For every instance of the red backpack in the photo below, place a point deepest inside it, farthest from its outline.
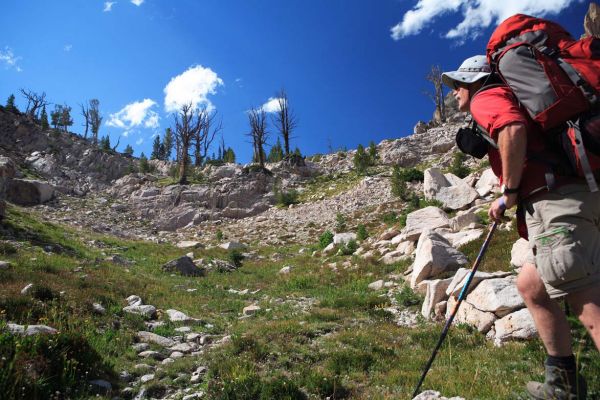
(557, 79)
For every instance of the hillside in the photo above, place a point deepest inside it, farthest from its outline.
(321, 278)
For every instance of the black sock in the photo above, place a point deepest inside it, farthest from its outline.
(567, 363)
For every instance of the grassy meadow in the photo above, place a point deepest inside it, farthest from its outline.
(320, 333)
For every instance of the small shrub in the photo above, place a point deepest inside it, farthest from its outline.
(7, 249)
(407, 297)
(349, 248)
(361, 232)
(325, 239)
(361, 160)
(281, 387)
(235, 257)
(458, 167)
(390, 218)
(340, 222)
(286, 198)
(399, 187)
(43, 293)
(411, 175)
(219, 235)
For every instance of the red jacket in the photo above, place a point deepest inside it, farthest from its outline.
(495, 108)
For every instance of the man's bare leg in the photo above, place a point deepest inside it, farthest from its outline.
(586, 304)
(549, 318)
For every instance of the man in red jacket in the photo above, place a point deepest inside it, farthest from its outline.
(558, 214)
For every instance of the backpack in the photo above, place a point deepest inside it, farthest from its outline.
(557, 80)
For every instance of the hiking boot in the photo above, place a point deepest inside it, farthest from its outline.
(560, 384)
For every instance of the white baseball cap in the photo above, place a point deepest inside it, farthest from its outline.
(471, 70)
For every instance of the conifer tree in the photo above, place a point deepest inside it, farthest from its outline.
(156, 149)
(65, 118)
(10, 103)
(44, 119)
(361, 160)
(105, 143)
(276, 153)
(144, 165)
(373, 156)
(128, 150)
(229, 156)
(168, 142)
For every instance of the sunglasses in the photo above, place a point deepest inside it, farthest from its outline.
(457, 84)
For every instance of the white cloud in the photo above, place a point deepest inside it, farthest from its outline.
(477, 15)
(133, 115)
(139, 141)
(272, 105)
(67, 47)
(192, 86)
(8, 58)
(137, 2)
(108, 5)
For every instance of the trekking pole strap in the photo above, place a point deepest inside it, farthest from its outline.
(585, 162)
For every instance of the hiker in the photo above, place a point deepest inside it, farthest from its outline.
(558, 213)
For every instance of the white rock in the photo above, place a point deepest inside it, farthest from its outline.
(377, 285)
(147, 311)
(461, 238)
(457, 197)
(146, 378)
(27, 288)
(468, 314)
(251, 310)
(393, 257)
(486, 183)
(462, 221)
(29, 330)
(330, 249)
(499, 296)
(176, 354)
(134, 300)
(434, 395)
(520, 252)
(516, 326)
(460, 278)
(178, 316)
(233, 246)
(285, 270)
(4, 265)
(184, 348)
(149, 337)
(189, 244)
(423, 219)
(389, 234)
(98, 309)
(344, 238)
(433, 181)
(436, 292)
(434, 256)
(406, 248)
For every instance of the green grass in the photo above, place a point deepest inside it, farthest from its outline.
(320, 333)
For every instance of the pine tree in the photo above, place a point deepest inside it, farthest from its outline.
(44, 119)
(399, 187)
(156, 149)
(168, 145)
(144, 165)
(373, 156)
(105, 143)
(65, 118)
(361, 160)
(229, 156)
(55, 116)
(297, 152)
(128, 150)
(276, 153)
(10, 103)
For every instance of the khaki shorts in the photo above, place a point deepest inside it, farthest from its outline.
(564, 234)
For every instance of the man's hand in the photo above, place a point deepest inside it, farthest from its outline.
(500, 205)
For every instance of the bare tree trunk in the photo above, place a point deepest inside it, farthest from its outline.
(188, 123)
(437, 96)
(258, 132)
(284, 120)
(35, 102)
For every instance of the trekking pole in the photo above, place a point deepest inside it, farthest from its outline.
(461, 296)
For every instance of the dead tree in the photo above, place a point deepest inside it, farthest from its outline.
(284, 119)
(85, 112)
(437, 96)
(35, 102)
(188, 123)
(206, 135)
(95, 119)
(258, 132)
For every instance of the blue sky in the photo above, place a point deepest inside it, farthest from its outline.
(353, 69)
